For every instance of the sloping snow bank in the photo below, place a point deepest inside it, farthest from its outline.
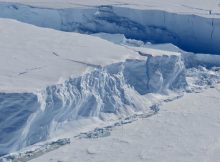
(111, 92)
(189, 32)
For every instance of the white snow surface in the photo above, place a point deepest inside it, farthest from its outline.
(32, 58)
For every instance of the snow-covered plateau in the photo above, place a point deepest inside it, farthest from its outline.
(144, 75)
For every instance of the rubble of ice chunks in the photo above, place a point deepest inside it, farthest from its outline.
(201, 78)
(97, 133)
(60, 142)
(174, 98)
(36, 151)
(155, 107)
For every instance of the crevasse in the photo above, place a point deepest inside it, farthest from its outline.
(189, 32)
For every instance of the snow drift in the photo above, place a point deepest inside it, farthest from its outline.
(190, 32)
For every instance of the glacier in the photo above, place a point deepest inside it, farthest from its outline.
(93, 83)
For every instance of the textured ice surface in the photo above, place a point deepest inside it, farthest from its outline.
(115, 89)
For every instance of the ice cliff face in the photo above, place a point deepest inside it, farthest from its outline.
(16, 109)
(167, 72)
(147, 25)
(117, 89)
